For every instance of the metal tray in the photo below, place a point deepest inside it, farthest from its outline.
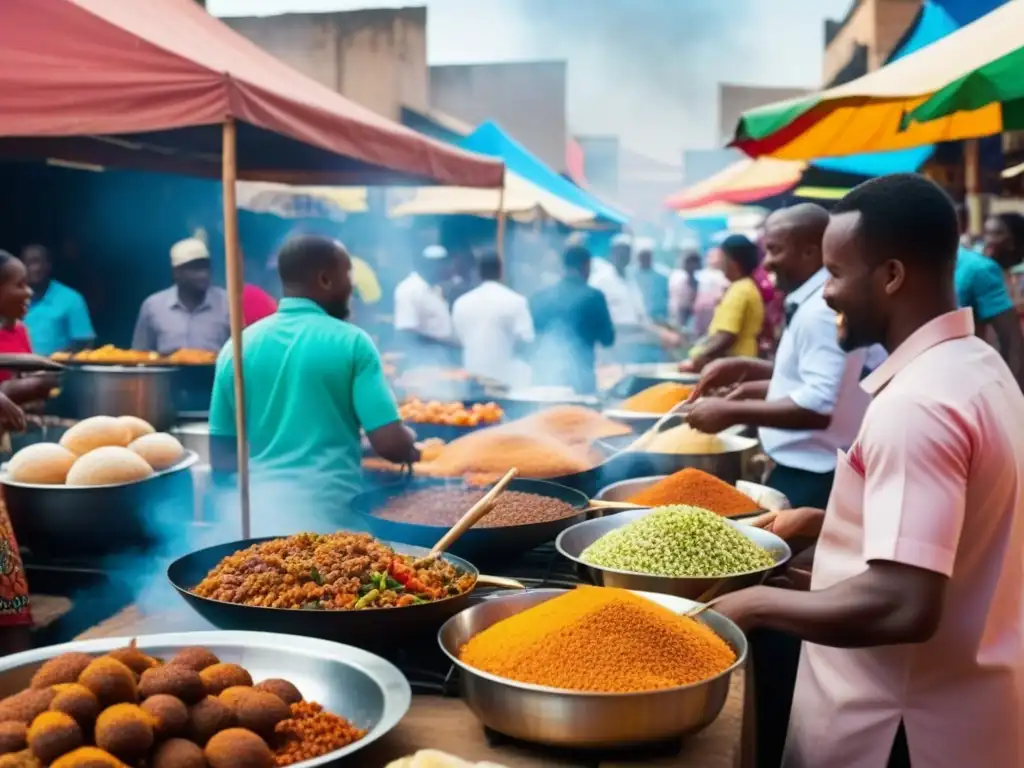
(585, 720)
(357, 685)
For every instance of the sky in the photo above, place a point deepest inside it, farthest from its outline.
(645, 70)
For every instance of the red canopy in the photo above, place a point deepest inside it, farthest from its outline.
(148, 83)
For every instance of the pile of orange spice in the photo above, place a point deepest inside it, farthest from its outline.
(599, 639)
(693, 488)
(311, 732)
(661, 398)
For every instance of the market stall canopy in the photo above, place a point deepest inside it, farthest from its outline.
(296, 202)
(523, 201)
(490, 139)
(149, 84)
(744, 181)
(870, 114)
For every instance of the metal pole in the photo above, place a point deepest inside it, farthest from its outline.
(501, 222)
(972, 184)
(233, 259)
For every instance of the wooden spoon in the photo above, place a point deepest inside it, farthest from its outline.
(706, 600)
(621, 506)
(679, 408)
(474, 515)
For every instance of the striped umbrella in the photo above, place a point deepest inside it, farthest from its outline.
(948, 91)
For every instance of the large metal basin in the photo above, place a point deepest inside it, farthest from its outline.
(767, 498)
(146, 391)
(70, 521)
(572, 541)
(361, 687)
(585, 720)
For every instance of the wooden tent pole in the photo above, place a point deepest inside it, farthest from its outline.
(233, 259)
(501, 223)
(972, 185)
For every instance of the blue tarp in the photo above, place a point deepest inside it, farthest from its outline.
(490, 139)
(935, 20)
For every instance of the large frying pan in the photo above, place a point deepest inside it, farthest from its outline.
(371, 628)
(482, 545)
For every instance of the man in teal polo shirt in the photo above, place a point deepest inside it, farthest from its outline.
(58, 318)
(313, 381)
(980, 286)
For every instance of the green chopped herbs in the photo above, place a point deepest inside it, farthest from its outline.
(678, 541)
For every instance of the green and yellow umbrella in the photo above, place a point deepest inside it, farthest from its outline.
(964, 86)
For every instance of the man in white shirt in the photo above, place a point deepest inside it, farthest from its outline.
(423, 322)
(625, 301)
(493, 323)
(807, 406)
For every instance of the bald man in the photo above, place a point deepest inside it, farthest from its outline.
(807, 406)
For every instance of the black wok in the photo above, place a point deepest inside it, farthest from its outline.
(483, 545)
(371, 628)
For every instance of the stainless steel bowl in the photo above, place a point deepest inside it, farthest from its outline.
(96, 520)
(572, 541)
(357, 685)
(146, 391)
(195, 436)
(767, 498)
(739, 461)
(585, 720)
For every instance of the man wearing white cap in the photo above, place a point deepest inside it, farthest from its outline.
(423, 321)
(191, 314)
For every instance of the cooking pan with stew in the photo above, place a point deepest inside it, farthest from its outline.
(483, 543)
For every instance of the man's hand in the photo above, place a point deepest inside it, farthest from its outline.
(31, 388)
(688, 366)
(749, 390)
(724, 372)
(712, 415)
(791, 578)
(791, 524)
(740, 606)
(12, 418)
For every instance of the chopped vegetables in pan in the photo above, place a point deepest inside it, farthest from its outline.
(330, 572)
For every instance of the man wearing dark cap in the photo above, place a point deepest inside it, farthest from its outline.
(738, 319)
(314, 382)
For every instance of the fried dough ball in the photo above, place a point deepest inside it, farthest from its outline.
(23, 759)
(260, 711)
(79, 702)
(169, 713)
(238, 748)
(53, 734)
(196, 658)
(134, 659)
(207, 718)
(61, 669)
(231, 696)
(125, 731)
(25, 706)
(175, 680)
(220, 677)
(178, 753)
(283, 689)
(88, 757)
(13, 736)
(110, 681)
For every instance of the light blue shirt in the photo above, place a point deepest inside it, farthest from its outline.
(980, 285)
(311, 383)
(58, 319)
(812, 371)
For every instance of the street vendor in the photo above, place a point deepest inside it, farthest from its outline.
(423, 320)
(314, 382)
(192, 313)
(739, 316)
(913, 653)
(807, 406)
(58, 318)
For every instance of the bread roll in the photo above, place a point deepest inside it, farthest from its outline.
(107, 466)
(96, 432)
(41, 464)
(160, 450)
(138, 427)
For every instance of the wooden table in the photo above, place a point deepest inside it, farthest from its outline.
(436, 722)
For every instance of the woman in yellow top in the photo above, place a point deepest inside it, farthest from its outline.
(738, 318)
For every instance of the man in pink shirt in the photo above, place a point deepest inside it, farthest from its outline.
(913, 624)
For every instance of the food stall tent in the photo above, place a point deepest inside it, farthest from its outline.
(162, 85)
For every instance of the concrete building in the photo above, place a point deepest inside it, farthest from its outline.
(376, 57)
(863, 40)
(527, 99)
